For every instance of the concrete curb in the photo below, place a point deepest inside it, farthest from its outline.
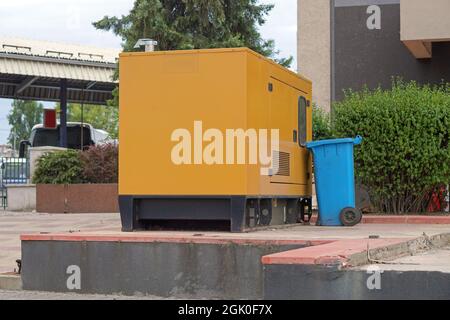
(395, 251)
(356, 252)
(390, 219)
(174, 238)
(342, 253)
(10, 282)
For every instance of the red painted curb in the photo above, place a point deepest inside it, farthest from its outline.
(151, 238)
(337, 252)
(390, 219)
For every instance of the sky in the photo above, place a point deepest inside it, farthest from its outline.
(70, 21)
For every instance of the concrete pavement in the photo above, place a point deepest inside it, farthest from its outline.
(106, 227)
(13, 224)
(437, 260)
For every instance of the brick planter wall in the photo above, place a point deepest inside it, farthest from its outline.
(77, 198)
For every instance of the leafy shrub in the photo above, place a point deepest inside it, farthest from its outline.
(61, 167)
(321, 124)
(405, 154)
(100, 164)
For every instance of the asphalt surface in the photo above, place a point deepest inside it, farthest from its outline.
(34, 295)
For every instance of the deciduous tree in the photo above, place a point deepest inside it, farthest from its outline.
(22, 117)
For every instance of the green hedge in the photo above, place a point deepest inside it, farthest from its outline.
(321, 124)
(405, 154)
(61, 167)
(98, 164)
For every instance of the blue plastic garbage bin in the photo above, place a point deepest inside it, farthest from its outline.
(335, 181)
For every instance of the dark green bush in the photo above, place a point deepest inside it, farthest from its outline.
(321, 124)
(405, 154)
(100, 164)
(61, 167)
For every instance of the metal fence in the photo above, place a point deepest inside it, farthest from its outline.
(13, 170)
(4, 197)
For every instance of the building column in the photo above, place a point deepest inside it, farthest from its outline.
(315, 47)
(63, 114)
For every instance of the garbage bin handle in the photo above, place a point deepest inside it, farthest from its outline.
(357, 140)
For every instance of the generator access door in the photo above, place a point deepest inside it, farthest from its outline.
(288, 114)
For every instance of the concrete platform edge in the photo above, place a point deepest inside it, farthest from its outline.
(10, 282)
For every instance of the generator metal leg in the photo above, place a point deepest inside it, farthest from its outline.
(238, 210)
(128, 215)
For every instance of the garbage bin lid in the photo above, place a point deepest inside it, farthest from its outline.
(314, 144)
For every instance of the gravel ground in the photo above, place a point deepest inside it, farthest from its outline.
(35, 295)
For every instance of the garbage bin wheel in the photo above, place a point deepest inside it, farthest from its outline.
(350, 217)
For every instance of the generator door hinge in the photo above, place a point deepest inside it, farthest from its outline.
(270, 87)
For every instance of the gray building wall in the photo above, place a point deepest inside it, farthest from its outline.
(374, 57)
(337, 51)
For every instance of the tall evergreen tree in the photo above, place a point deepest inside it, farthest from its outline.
(195, 24)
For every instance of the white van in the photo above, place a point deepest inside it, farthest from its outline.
(77, 138)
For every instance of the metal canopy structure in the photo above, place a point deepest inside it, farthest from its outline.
(49, 71)
(32, 70)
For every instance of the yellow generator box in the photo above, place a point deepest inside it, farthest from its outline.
(212, 136)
